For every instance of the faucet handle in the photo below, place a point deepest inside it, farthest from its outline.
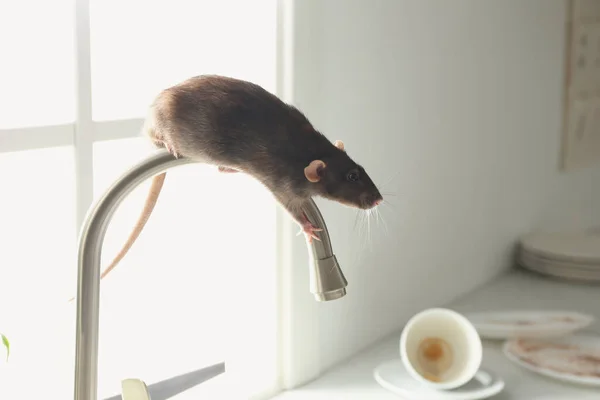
(134, 389)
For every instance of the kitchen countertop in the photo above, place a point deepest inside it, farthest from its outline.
(353, 379)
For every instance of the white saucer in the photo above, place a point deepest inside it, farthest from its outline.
(393, 376)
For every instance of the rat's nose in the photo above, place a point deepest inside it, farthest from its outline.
(370, 200)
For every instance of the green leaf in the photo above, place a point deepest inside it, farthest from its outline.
(6, 344)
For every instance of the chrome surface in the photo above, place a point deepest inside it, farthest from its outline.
(327, 282)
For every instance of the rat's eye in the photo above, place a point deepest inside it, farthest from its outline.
(352, 176)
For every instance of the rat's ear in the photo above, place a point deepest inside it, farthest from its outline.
(339, 144)
(314, 170)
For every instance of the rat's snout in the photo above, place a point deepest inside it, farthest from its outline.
(371, 200)
(377, 200)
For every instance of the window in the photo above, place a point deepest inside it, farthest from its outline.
(198, 287)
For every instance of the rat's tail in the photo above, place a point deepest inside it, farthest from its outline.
(151, 199)
(155, 188)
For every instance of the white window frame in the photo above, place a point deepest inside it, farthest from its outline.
(298, 325)
(84, 131)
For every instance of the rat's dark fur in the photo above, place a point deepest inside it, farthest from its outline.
(239, 125)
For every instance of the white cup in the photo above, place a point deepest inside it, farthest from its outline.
(440, 348)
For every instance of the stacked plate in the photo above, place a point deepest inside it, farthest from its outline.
(573, 256)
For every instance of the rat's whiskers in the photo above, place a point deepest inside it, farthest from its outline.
(387, 182)
(387, 203)
(370, 237)
(356, 219)
(380, 217)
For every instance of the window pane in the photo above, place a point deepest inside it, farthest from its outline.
(201, 272)
(37, 68)
(140, 47)
(38, 270)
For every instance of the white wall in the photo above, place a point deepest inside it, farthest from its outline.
(461, 102)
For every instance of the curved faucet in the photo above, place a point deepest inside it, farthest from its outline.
(327, 282)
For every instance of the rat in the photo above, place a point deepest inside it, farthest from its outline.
(238, 126)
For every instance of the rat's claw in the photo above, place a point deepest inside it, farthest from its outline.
(227, 170)
(309, 230)
(171, 150)
(310, 237)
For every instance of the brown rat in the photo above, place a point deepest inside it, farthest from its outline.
(241, 127)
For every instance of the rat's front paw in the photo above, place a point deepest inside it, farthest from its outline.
(309, 230)
(171, 150)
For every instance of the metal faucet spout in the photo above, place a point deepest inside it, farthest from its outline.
(327, 282)
(326, 277)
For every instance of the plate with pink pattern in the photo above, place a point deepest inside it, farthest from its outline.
(574, 359)
(511, 324)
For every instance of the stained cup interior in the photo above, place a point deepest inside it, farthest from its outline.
(441, 347)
